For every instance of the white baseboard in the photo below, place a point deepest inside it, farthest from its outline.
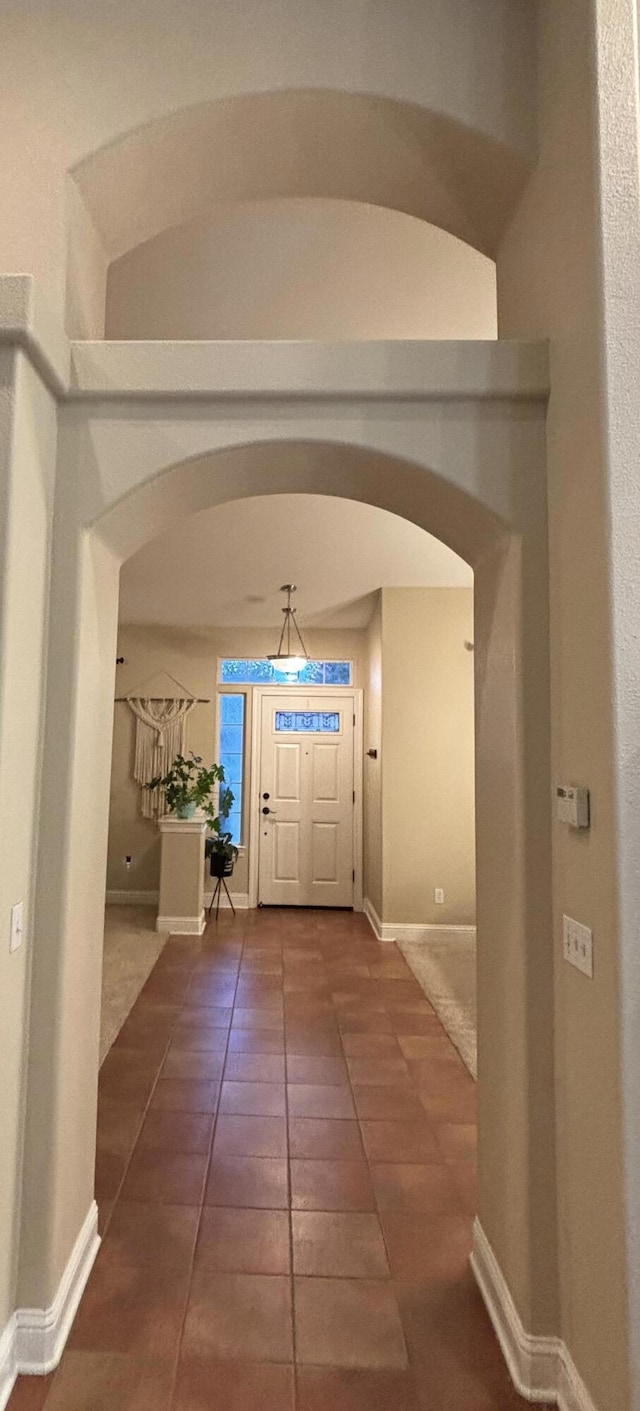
(240, 900)
(532, 1361)
(125, 898)
(541, 1368)
(34, 1338)
(572, 1392)
(406, 931)
(374, 920)
(8, 1368)
(182, 925)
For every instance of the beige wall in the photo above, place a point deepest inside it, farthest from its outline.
(302, 269)
(74, 80)
(516, 1138)
(549, 282)
(58, 1183)
(428, 830)
(190, 656)
(419, 822)
(27, 467)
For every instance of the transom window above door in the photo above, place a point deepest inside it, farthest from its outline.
(259, 671)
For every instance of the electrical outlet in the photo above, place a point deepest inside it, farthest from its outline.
(439, 896)
(128, 862)
(577, 945)
(16, 934)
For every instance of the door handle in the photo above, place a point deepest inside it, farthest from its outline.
(268, 810)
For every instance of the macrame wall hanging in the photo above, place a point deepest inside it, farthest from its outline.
(160, 733)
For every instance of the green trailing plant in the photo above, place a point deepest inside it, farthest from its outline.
(188, 785)
(220, 845)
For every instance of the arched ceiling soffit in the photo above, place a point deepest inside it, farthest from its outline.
(301, 143)
(345, 471)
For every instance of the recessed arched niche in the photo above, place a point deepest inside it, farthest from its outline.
(280, 192)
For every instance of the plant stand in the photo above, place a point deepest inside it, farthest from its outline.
(220, 883)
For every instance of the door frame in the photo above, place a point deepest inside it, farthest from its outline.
(356, 695)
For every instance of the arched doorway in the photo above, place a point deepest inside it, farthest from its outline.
(127, 473)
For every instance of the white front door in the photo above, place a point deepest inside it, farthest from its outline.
(306, 800)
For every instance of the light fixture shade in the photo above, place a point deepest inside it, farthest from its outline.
(289, 664)
(290, 658)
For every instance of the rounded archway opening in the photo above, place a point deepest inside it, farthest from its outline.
(320, 467)
(205, 547)
(485, 521)
(386, 612)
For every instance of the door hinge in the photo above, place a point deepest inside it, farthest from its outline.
(354, 722)
(353, 875)
(353, 796)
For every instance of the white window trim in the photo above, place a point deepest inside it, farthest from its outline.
(352, 693)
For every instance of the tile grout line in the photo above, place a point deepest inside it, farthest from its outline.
(206, 1174)
(289, 1200)
(146, 1109)
(392, 1281)
(355, 1116)
(143, 1116)
(302, 1022)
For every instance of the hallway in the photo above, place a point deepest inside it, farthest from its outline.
(285, 1177)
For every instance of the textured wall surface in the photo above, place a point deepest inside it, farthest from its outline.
(157, 119)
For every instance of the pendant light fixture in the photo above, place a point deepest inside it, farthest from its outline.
(292, 655)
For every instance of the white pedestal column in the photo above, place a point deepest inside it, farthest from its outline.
(181, 905)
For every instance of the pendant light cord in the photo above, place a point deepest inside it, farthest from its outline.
(289, 619)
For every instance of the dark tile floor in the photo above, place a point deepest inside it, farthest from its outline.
(285, 1176)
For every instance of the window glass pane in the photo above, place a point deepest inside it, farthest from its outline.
(232, 765)
(231, 739)
(258, 671)
(337, 673)
(314, 722)
(230, 755)
(232, 710)
(313, 673)
(242, 670)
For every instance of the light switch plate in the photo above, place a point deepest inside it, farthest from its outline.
(577, 945)
(16, 934)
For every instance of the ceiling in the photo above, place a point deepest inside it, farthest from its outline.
(224, 566)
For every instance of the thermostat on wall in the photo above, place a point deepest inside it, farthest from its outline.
(572, 805)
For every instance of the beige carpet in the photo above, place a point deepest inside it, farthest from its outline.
(131, 948)
(446, 968)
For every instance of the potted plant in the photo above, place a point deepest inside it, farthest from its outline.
(222, 854)
(219, 848)
(189, 785)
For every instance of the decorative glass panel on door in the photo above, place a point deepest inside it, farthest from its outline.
(308, 722)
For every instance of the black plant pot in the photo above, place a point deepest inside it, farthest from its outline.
(221, 866)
